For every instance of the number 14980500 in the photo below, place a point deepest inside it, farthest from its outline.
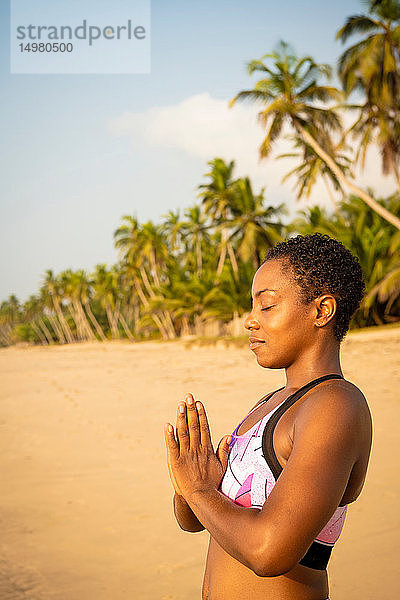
(49, 47)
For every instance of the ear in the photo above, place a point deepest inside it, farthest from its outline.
(325, 308)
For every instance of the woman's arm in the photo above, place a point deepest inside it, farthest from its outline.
(273, 540)
(186, 518)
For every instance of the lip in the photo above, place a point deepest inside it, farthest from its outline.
(255, 342)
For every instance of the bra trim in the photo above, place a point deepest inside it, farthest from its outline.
(265, 399)
(267, 437)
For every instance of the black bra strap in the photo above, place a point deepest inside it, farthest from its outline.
(267, 438)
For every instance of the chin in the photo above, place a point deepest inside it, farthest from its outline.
(268, 363)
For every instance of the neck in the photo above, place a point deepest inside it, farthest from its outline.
(321, 359)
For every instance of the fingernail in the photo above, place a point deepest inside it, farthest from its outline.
(181, 408)
(229, 439)
(189, 400)
(169, 428)
(198, 405)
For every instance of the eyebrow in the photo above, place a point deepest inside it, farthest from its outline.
(257, 294)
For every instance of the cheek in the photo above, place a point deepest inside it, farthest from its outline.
(288, 324)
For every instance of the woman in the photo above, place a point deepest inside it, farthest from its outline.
(274, 495)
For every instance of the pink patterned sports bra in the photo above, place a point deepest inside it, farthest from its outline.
(253, 469)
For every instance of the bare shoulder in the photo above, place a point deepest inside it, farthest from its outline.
(340, 408)
(334, 396)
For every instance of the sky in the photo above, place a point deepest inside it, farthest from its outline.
(80, 151)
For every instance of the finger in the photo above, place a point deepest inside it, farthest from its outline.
(171, 443)
(193, 422)
(170, 434)
(172, 448)
(182, 432)
(223, 451)
(205, 436)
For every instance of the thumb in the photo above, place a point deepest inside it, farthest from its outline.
(223, 451)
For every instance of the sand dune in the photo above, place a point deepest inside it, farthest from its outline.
(86, 503)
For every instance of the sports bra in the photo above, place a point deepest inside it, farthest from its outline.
(253, 469)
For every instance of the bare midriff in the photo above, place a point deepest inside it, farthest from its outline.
(226, 578)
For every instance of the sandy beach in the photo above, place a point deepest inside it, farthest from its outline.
(86, 502)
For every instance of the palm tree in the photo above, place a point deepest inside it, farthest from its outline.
(291, 92)
(254, 227)
(33, 309)
(371, 66)
(103, 282)
(48, 313)
(10, 315)
(216, 198)
(74, 290)
(171, 228)
(378, 249)
(51, 289)
(144, 249)
(312, 167)
(194, 233)
(154, 249)
(377, 246)
(315, 219)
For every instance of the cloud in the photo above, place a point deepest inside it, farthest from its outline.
(205, 127)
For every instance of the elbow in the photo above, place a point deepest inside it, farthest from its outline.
(191, 528)
(195, 530)
(269, 564)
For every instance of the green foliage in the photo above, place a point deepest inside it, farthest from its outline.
(24, 332)
(374, 242)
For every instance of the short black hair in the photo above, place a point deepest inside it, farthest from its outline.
(321, 264)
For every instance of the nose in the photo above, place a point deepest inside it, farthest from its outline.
(251, 323)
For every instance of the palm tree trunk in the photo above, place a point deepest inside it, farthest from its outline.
(373, 204)
(168, 325)
(136, 317)
(95, 322)
(126, 328)
(233, 261)
(222, 256)
(154, 267)
(156, 319)
(5, 337)
(199, 257)
(57, 329)
(76, 320)
(116, 317)
(129, 312)
(86, 329)
(40, 335)
(140, 292)
(376, 317)
(63, 321)
(185, 329)
(46, 332)
(163, 331)
(146, 282)
(111, 321)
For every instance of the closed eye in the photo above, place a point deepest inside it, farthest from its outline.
(268, 307)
